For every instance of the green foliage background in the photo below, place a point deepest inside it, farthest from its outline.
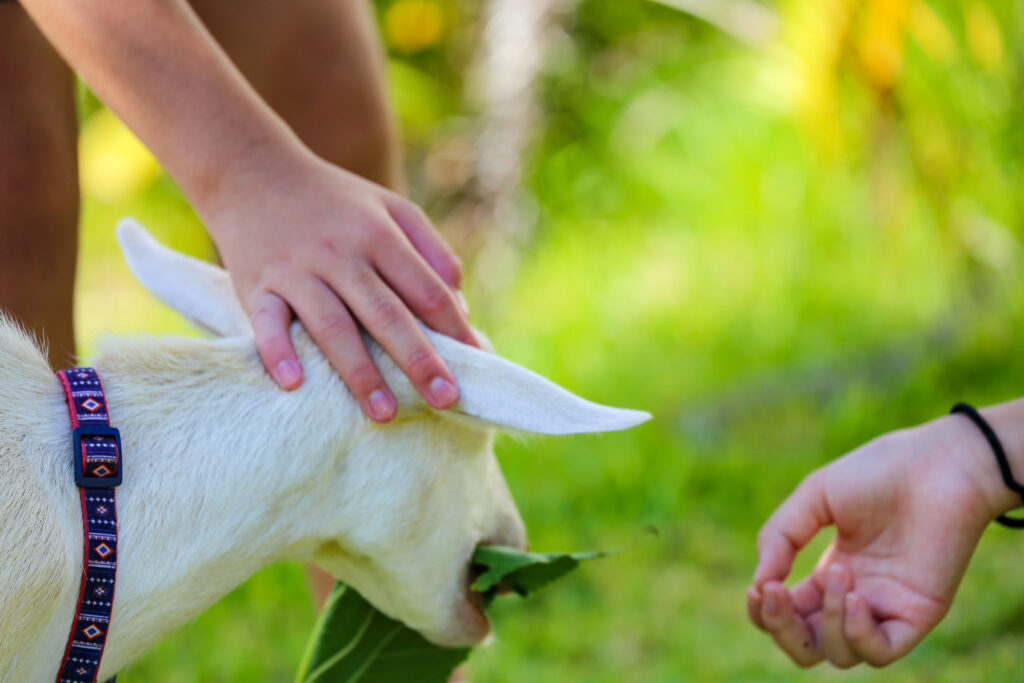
(780, 251)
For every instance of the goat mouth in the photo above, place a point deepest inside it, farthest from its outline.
(479, 600)
(476, 604)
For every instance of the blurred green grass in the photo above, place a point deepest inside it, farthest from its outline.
(774, 300)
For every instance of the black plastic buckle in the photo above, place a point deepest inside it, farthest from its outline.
(81, 479)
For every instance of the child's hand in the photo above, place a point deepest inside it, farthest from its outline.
(908, 509)
(335, 249)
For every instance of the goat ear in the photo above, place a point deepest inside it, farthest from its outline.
(200, 291)
(500, 392)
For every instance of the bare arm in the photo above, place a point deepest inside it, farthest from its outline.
(296, 233)
(154, 63)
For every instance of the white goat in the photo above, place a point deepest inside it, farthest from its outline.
(225, 473)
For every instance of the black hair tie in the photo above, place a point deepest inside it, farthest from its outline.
(997, 450)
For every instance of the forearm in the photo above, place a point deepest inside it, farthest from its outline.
(154, 63)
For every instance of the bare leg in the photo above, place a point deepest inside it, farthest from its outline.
(38, 184)
(320, 66)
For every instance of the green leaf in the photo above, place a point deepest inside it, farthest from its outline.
(354, 643)
(521, 571)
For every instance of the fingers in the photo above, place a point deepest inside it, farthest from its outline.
(388, 320)
(807, 596)
(331, 325)
(877, 644)
(270, 320)
(427, 241)
(754, 602)
(843, 631)
(790, 528)
(426, 294)
(834, 644)
(791, 632)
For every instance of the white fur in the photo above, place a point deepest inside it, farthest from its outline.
(225, 473)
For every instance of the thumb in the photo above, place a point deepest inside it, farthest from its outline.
(790, 528)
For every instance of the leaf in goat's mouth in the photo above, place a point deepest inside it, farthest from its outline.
(522, 572)
(354, 643)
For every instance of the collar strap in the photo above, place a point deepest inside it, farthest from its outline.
(97, 467)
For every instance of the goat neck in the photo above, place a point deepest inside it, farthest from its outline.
(206, 433)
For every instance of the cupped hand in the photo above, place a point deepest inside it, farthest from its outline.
(908, 509)
(310, 239)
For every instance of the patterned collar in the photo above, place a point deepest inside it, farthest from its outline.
(97, 467)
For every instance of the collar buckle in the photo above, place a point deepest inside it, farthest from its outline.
(100, 466)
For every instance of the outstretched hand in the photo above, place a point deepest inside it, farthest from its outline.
(337, 250)
(908, 509)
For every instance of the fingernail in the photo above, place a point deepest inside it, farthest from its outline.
(835, 583)
(771, 604)
(289, 373)
(443, 392)
(382, 405)
(460, 298)
(852, 606)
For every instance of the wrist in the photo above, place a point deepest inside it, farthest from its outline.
(978, 459)
(244, 171)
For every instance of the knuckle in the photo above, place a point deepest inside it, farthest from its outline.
(383, 239)
(386, 312)
(358, 279)
(331, 258)
(422, 363)
(407, 208)
(363, 378)
(435, 299)
(378, 228)
(333, 326)
(276, 277)
(267, 318)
